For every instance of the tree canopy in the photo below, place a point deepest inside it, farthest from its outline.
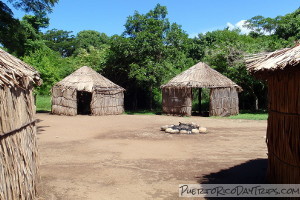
(149, 52)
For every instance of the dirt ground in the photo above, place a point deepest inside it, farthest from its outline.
(128, 157)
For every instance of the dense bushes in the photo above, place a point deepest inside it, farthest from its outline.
(150, 51)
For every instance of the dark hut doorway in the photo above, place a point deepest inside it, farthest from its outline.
(84, 103)
(200, 103)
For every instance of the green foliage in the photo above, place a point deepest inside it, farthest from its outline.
(60, 41)
(149, 53)
(92, 57)
(88, 38)
(284, 27)
(33, 5)
(38, 21)
(51, 66)
(43, 103)
(150, 50)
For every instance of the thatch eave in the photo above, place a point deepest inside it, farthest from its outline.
(201, 76)
(16, 73)
(264, 64)
(239, 89)
(86, 79)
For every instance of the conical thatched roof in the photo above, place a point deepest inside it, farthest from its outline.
(277, 60)
(16, 73)
(86, 79)
(200, 76)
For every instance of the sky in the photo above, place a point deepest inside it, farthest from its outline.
(195, 16)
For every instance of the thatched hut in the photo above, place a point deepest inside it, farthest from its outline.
(177, 93)
(281, 69)
(18, 148)
(87, 92)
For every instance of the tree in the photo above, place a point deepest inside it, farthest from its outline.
(60, 41)
(92, 57)
(285, 27)
(88, 38)
(35, 6)
(224, 51)
(51, 66)
(149, 52)
(20, 37)
(289, 26)
(13, 33)
(38, 21)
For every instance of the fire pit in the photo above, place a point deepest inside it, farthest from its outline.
(184, 128)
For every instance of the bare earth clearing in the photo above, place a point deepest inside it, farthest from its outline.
(128, 157)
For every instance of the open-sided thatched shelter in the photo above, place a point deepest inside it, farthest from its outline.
(18, 148)
(87, 92)
(177, 93)
(281, 69)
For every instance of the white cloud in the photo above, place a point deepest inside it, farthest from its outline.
(240, 26)
(230, 26)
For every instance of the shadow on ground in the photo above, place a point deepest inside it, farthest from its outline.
(40, 129)
(250, 172)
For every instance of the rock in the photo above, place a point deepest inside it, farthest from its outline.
(195, 131)
(168, 130)
(183, 132)
(203, 130)
(175, 131)
(163, 128)
(195, 125)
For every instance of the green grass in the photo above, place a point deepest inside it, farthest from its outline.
(43, 103)
(246, 114)
(251, 116)
(143, 112)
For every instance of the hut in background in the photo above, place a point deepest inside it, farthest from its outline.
(87, 92)
(281, 69)
(18, 148)
(177, 93)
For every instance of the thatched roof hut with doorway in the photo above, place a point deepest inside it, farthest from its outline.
(18, 143)
(87, 92)
(177, 93)
(281, 69)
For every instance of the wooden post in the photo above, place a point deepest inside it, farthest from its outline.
(199, 99)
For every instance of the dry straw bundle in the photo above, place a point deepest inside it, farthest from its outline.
(281, 69)
(18, 148)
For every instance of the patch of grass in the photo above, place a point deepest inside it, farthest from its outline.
(247, 114)
(251, 116)
(43, 103)
(143, 112)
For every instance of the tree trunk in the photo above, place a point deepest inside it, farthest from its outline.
(151, 98)
(256, 103)
(199, 99)
(255, 99)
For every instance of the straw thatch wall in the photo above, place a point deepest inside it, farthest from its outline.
(107, 97)
(223, 102)
(64, 101)
(283, 133)
(107, 102)
(177, 93)
(18, 147)
(281, 69)
(177, 101)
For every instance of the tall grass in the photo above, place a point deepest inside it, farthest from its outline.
(43, 103)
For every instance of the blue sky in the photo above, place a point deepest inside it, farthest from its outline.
(195, 16)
